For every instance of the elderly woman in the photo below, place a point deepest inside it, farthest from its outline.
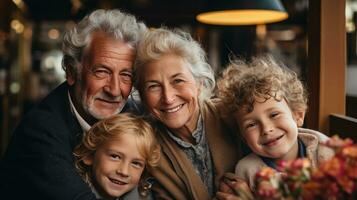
(175, 84)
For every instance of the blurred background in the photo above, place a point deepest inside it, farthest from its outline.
(31, 32)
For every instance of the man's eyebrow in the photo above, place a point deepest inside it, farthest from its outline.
(128, 69)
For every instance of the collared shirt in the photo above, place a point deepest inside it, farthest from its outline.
(132, 105)
(98, 197)
(199, 154)
(85, 126)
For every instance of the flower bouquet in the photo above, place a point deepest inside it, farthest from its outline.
(333, 179)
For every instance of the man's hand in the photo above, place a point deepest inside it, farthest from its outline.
(233, 188)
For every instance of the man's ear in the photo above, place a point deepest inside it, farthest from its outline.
(88, 160)
(71, 77)
(299, 116)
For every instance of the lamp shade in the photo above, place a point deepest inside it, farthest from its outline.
(242, 12)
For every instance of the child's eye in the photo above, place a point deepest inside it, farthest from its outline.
(250, 125)
(138, 164)
(115, 157)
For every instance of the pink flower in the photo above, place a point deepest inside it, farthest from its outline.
(350, 151)
(266, 173)
(267, 190)
(333, 179)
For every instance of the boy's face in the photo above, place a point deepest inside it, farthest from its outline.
(271, 129)
(116, 166)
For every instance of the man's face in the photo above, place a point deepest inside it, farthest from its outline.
(104, 83)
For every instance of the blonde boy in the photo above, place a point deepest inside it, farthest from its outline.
(269, 103)
(113, 154)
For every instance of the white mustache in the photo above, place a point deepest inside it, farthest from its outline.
(107, 97)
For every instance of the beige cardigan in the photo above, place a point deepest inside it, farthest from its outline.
(316, 153)
(175, 176)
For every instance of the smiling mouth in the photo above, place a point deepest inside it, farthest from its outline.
(272, 142)
(108, 101)
(172, 110)
(118, 182)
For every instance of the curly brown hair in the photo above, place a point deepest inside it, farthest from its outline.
(114, 127)
(242, 83)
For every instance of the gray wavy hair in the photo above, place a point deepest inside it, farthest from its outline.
(162, 41)
(114, 23)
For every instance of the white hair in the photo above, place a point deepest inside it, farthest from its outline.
(114, 23)
(159, 42)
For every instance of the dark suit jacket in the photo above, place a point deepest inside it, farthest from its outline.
(38, 163)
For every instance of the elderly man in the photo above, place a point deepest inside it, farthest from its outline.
(98, 57)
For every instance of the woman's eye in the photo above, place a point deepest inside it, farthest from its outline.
(178, 81)
(274, 114)
(153, 87)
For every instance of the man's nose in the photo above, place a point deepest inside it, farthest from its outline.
(113, 86)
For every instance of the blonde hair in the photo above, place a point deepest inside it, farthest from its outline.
(263, 78)
(113, 127)
(162, 41)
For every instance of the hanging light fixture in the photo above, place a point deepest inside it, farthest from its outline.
(242, 12)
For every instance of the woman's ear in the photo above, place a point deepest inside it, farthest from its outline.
(200, 87)
(88, 160)
(299, 116)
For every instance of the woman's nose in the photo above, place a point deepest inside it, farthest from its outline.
(169, 95)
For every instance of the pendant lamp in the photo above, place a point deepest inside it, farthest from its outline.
(242, 12)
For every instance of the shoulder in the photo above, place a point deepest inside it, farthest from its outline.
(214, 108)
(314, 142)
(247, 168)
(54, 107)
(304, 132)
(249, 163)
(50, 120)
(215, 105)
(312, 139)
(135, 195)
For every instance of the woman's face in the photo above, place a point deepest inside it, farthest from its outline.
(170, 92)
